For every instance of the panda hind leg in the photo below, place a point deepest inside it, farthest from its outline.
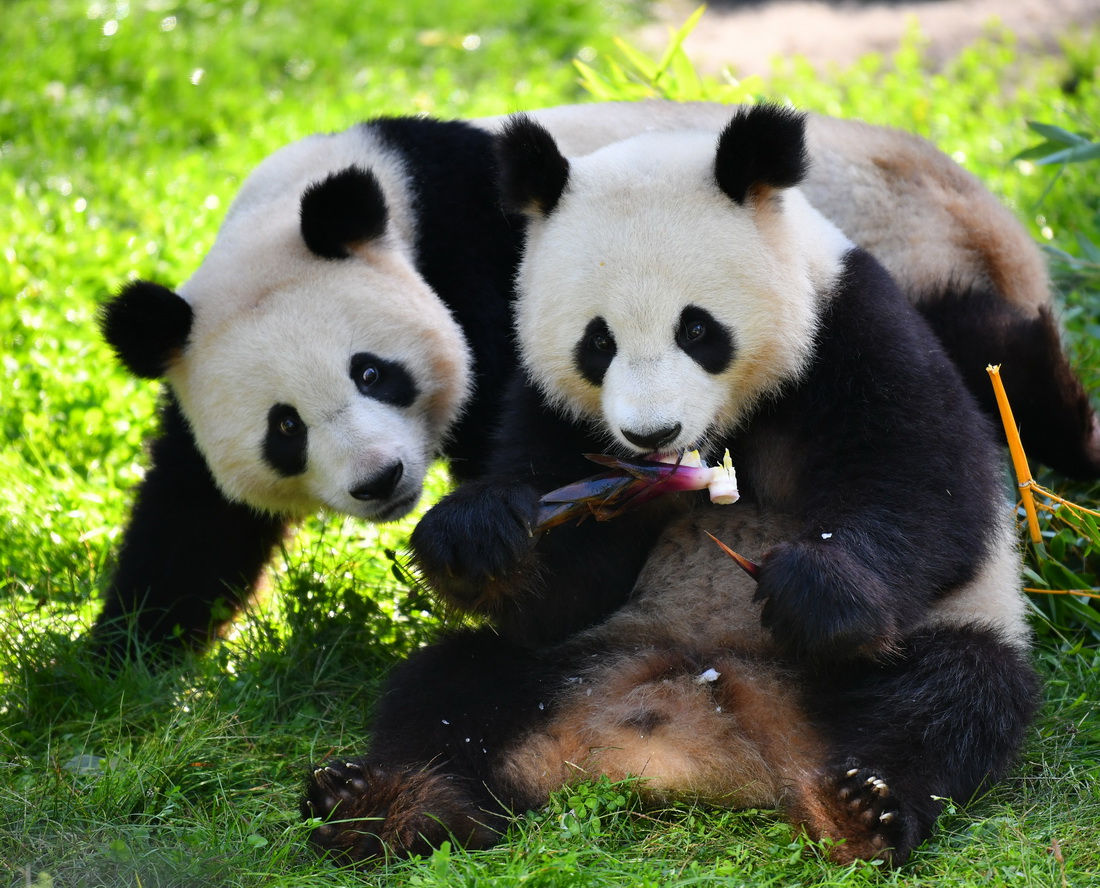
(432, 771)
(368, 812)
(855, 812)
(945, 720)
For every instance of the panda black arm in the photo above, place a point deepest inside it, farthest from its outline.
(477, 550)
(186, 548)
(895, 476)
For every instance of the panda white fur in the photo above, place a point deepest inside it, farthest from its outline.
(323, 351)
(677, 293)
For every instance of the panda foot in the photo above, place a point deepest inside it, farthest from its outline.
(867, 816)
(855, 810)
(370, 813)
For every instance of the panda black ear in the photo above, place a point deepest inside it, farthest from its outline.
(532, 173)
(763, 146)
(147, 325)
(344, 209)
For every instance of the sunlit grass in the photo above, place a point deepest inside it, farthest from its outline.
(125, 130)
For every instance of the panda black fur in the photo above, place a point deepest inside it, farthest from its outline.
(405, 209)
(881, 663)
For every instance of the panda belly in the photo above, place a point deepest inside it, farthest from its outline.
(712, 726)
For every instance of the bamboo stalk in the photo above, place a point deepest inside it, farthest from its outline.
(1016, 448)
(1088, 593)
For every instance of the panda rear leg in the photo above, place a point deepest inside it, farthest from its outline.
(945, 720)
(432, 772)
(856, 812)
(185, 549)
(370, 812)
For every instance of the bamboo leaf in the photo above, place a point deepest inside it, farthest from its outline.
(592, 81)
(1056, 134)
(686, 79)
(1058, 576)
(676, 41)
(1091, 252)
(1076, 154)
(643, 63)
(1035, 151)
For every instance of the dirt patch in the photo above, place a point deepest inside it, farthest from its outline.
(747, 36)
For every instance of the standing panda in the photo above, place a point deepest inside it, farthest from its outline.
(322, 356)
(674, 294)
(352, 321)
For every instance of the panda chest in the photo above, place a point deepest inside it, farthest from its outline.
(771, 465)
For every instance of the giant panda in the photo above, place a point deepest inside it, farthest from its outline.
(679, 291)
(351, 321)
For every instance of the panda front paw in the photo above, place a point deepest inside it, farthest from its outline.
(368, 813)
(471, 547)
(820, 602)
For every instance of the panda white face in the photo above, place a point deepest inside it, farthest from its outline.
(316, 399)
(654, 303)
(315, 366)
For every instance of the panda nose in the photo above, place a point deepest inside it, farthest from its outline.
(382, 485)
(654, 440)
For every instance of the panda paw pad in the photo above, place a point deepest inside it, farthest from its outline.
(367, 812)
(867, 816)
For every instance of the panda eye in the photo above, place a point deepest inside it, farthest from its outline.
(694, 332)
(368, 375)
(387, 381)
(286, 442)
(705, 339)
(602, 342)
(289, 423)
(598, 337)
(594, 351)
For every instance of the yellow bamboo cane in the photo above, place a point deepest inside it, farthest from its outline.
(1016, 448)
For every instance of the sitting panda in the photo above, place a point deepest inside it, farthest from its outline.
(351, 322)
(678, 293)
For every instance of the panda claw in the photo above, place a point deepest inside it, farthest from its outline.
(869, 817)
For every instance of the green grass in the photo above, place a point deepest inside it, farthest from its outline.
(125, 130)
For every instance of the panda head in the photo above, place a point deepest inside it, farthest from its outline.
(668, 282)
(315, 366)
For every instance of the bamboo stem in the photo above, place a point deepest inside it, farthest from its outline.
(1073, 507)
(1016, 448)
(1088, 593)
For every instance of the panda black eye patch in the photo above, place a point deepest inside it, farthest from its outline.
(286, 441)
(704, 339)
(594, 351)
(385, 381)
